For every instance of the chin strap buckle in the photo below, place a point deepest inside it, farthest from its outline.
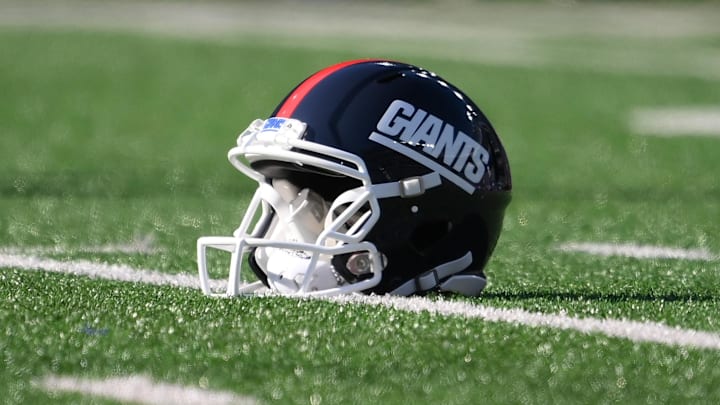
(409, 187)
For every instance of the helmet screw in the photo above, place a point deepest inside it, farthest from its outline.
(359, 264)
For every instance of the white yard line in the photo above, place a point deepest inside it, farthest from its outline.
(143, 246)
(142, 390)
(631, 330)
(620, 328)
(637, 251)
(117, 272)
(677, 121)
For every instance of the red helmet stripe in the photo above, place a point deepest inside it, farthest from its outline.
(294, 99)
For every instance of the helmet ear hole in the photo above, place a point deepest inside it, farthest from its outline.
(428, 234)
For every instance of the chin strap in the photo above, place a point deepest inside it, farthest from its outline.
(465, 284)
(407, 188)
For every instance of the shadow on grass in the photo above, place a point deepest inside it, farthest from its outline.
(607, 297)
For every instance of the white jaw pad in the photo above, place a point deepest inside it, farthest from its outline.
(286, 272)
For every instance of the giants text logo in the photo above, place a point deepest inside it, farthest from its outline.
(451, 153)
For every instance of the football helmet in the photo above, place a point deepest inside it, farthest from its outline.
(373, 176)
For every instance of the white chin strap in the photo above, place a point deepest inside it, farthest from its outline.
(465, 284)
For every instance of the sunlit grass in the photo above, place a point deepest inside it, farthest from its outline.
(104, 138)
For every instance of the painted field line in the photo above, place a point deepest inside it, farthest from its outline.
(619, 328)
(144, 244)
(142, 390)
(637, 251)
(117, 272)
(631, 330)
(677, 121)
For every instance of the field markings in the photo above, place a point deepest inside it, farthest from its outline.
(637, 251)
(632, 330)
(620, 328)
(142, 245)
(116, 272)
(676, 121)
(142, 390)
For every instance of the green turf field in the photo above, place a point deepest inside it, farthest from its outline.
(107, 136)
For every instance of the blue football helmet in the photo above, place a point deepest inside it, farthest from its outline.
(373, 176)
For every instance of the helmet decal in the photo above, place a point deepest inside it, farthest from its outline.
(405, 128)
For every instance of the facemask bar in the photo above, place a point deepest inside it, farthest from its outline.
(235, 246)
(280, 139)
